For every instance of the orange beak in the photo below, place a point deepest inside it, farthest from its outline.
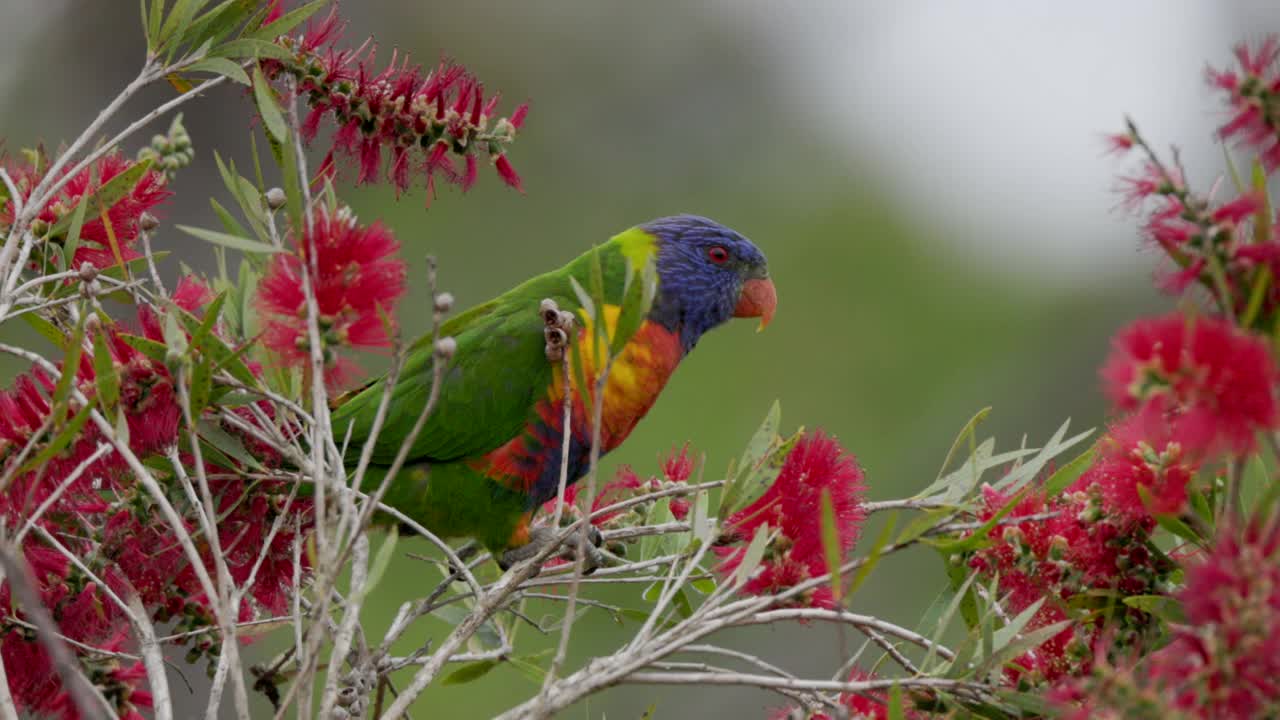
(758, 299)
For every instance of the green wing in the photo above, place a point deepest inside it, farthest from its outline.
(487, 390)
(499, 372)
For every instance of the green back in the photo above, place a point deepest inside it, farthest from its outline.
(498, 373)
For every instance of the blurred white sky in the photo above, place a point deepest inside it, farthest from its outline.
(989, 113)
(992, 112)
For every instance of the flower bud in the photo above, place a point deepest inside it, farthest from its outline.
(275, 198)
(444, 302)
(445, 347)
(148, 222)
(88, 272)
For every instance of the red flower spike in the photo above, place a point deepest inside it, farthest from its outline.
(518, 116)
(1119, 143)
(817, 465)
(1223, 661)
(100, 240)
(1215, 382)
(1252, 91)
(359, 282)
(397, 109)
(507, 173)
(1085, 545)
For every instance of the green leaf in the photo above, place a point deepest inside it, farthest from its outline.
(699, 521)
(221, 66)
(215, 25)
(153, 22)
(225, 357)
(232, 241)
(469, 672)
(70, 431)
(382, 560)
(752, 556)
(1017, 647)
(944, 621)
(1006, 634)
(1062, 478)
(48, 330)
(211, 432)
(287, 21)
(895, 703)
(1025, 473)
(652, 546)
(154, 350)
(831, 543)
(211, 314)
(77, 223)
(965, 437)
(924, 522)
(247, 48)
(264, 96)
(175, 339)
(106, 196)
(637, 300)
(104, 370)
(201, 384)
(584, 299)
(292, 182)
(247, 197)
(1032, 703)
(70, 364)
(1162, 606)
(178, 22)
(974, 540)
(734, 494)
(873, 557)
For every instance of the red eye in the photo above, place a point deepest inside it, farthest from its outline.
(718, 255)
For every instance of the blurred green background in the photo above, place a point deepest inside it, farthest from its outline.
(927, 183)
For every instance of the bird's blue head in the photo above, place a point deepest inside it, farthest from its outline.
(707, 274)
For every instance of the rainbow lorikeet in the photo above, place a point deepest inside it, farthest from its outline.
(491, 450)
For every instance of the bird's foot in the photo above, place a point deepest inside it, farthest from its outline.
(558, 327)
(539, 538)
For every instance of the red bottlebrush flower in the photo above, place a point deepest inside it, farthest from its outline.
(1153, 181)
(399, 111)
(105, 239)
(358, 282)
(867, 705)
(793, 504)
(1252, 94)
(275, 8)
(624, 485)
(1224, 661)
(1086, 546)
(1238, 210)
(1215, 381)
(192, 294)
(676, 469)
(1141, 458)
(1119, 143)
(506, 172)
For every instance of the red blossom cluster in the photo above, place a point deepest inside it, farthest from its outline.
(415, 123)
(1224, 659)
(816, 466)
(1085, 549)
(357, 280)
(677, 467)
(106, 238)
(1253, 94)
(90, 502)
(1214, 382)
(867, 705)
